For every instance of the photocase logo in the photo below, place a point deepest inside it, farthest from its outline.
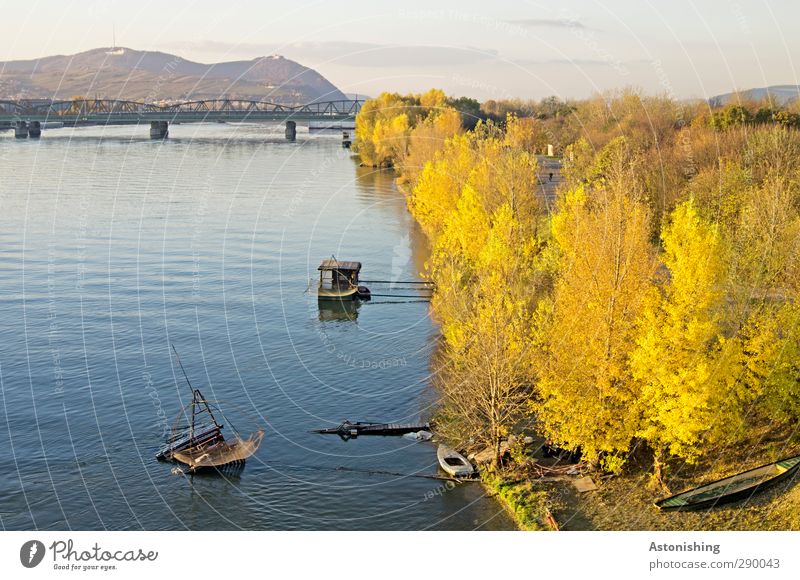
(31, 553)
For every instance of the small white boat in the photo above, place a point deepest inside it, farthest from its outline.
(453, 462)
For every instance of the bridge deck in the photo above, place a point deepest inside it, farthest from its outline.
(108, 112)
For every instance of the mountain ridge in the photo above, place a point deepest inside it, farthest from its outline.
(782, 94)
(125, 73)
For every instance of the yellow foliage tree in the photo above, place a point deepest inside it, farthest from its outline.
(384, 126)
(587, 398)
(389, 139)
(676, 364)
(524, 134)
(441, 182)
(771, 361)
(426, 140)
(488, 336)
(433, 99)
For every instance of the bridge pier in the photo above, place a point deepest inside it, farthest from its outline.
(21, 130)
(35, 130)
(159, 129)
(291, 130)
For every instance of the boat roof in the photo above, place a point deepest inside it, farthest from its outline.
(339, 265)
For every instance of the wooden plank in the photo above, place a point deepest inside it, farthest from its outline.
(584, 484)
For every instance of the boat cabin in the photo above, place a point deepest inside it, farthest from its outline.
(338, 279)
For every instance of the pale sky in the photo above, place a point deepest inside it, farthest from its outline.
(487, 49)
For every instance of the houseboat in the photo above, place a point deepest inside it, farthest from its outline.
(338, 280)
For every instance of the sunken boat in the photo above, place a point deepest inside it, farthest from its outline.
(734, 488)
(350, 430)
(200, 445)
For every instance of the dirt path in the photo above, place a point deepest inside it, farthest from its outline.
(549, 179)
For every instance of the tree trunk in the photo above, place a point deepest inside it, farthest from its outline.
(658, 470)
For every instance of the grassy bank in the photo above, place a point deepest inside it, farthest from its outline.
(625, 501)
(527, 503)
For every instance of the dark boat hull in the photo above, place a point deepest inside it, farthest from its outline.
(349, 430)
(715, 492)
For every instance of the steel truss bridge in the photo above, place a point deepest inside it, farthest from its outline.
(113, 112)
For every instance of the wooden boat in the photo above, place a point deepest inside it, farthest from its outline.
(350, 430)
(200, 444)
(338, 280)
(736, 487)
(453, 462)
(220, 455)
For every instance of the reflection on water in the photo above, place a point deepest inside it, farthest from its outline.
(339, 310)
(378, 184)
(113, 247)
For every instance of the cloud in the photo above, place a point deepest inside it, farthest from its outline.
(346, 53)
(549, 23)
(566, 61)
(415, 56)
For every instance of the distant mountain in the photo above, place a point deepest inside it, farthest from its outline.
(123, 73)
(782, 94)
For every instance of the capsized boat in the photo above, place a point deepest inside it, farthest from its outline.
(200, 444)
(453, 462)
(736, 487)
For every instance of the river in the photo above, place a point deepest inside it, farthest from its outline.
(113, 247)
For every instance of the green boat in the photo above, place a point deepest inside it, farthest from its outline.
(734, 488)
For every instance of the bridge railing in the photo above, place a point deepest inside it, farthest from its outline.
(109, 107)
(9, 108)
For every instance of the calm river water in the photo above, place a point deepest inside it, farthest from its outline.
(113, 246)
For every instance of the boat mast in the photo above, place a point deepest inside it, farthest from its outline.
(197, 396)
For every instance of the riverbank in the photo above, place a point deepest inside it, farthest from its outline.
(626, 501)
(634, 320)
(524, 502)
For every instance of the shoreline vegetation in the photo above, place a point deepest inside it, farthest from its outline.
(648, 321)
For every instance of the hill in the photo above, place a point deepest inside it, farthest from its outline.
(782, 94)
(124, 73)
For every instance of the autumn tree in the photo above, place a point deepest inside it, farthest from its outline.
(426, 140)
(770, 357)
(385, 125)
(587, 398)
(477, 202)
(676, 363)
(377, 132)
(486, 384)
(441, 182)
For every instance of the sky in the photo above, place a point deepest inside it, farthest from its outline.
(492, 49)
